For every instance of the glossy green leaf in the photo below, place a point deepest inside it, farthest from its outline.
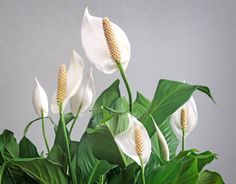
(41, 169)
(27, 149)
(188, 172)
(169, 96)
(140, 105)
(14, 175)
(178, 171)
(184, 169)
(7, 178)
(164, 174)
(126, 175)
(61, 137)
(202, 158)
(90, 167)
(107, 98)
(62, 140)
(102, 141)
(209, 177)
(56, 155)
(74, 145)
(120, 106)
(68, 118)
(8, 145)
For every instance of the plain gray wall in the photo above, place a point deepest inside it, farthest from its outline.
(180, 40)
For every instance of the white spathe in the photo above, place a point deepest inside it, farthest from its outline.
(95, 45)
(84, 97)
(163, 144)
(40, 100)
(126, 141)
(74, 80)
(191, 120)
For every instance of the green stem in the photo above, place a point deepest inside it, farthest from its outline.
(102, 179)
(126, 85)
(74, 121)
(67, 147)
(43, 131)
(142, 170)
(183, 139)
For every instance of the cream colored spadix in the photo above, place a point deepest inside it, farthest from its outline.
(40, 100)
(191, 117)
(96, 47)
(127, 143)
(73, 82)
(84, 97)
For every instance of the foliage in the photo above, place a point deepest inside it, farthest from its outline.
(97, 159)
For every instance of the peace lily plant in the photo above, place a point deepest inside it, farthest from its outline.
(126, 141)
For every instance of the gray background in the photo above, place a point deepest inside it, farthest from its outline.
(181, 40)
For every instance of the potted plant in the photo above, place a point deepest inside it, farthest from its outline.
(126, 141)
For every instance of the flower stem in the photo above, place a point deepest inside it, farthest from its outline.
(43, 131)
(126, 85)
(183, 139)
(102, 179)
(67, 147)
(142, 170)
(73, 123)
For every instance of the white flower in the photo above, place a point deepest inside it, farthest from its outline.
(40, 100)
(74, 80)
(126, 141)
(95, 45)
(191, 117)
(84, 97)
(163, 144)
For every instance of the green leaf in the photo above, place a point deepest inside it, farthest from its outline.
(188, 173)
(169, 96)
(7, 178)
(140, 105)
(107, 98)
(41, 169)
(104, 135)
(120, 106)
(164, 174)
(56, 155)
(8, 145)
(184, 169)
(209, 177)
(156, 158)
(61, 137)
(202, 158)
(90, 167)
(178, 171)
(27, 149)
(73, 148)
(126, 175)
(68, 118)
